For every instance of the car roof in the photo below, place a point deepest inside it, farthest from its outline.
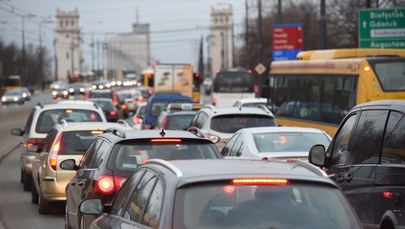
(237, 110)
(268, 129)
(190, 171)
(384, 104)
(163, 134)
(70, 126)
(82, 102)
(252, 100)
(66, 104)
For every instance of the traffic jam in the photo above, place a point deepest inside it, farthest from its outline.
(309, 139)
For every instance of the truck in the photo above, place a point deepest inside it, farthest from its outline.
(174, 77)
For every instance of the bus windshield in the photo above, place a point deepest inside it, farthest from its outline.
(390, 74)
(233, 82)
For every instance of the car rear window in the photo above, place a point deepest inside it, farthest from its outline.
(47, 119)
(293, 206)
(178, 122)
(232, 123)
(76, 142)
(130, 155)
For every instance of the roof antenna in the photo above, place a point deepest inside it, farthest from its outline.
(162, 133)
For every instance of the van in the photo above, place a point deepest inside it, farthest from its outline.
(366, 158)
(158, 102)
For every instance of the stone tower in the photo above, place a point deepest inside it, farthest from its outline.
(68, 45)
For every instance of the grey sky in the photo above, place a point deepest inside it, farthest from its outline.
(188, 18)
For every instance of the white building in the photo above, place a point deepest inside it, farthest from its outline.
(128, 52)
(221, 38)
(68, 44)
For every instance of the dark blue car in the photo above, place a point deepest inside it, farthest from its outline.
(159, 102)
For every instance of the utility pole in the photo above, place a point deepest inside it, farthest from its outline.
(322, 27)
(92, 52)
(260, 45)
(247, 35)
(279, 12)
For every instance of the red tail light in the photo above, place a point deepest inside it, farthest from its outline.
(213, 138)
(113, 113)
(35, 141)
(124, 106)
(140, 99)
(54, 153)
(164, 122)
(213, 101)
(107, 185)
(138, 121)
(260, 181)
(133, 102)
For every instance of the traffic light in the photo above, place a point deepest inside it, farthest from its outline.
(196, 79)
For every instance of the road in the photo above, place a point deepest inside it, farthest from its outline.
(16, 209)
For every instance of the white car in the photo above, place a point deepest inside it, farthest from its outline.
(138, 116)
(251, 102)
(13, 96)
(274, 142)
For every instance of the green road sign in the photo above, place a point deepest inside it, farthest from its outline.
(382, 28)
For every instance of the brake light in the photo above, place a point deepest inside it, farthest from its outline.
(54, 152)
(283, 140)
(107, 185)
(260, 181)
(388, 195)
(213, 101)
(165, 140)
(35, 141)
(229, 189)
(133, 102)
(124, 106)
(213, 138)
(113, 113)
(164, 122)
(140, 98)
(69, 111)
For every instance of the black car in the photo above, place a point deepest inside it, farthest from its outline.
(113, 157)
(366, 158)
(111, 112)
(231, 194)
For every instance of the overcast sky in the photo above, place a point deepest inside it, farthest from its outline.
(176, 25)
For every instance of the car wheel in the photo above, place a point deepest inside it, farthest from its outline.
(34, 195)
(27, 181)
(44, 207)
(21, 175)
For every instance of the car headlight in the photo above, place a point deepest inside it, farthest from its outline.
(65, 92)
(82, 90)
(24, 95)
(16, 98)
(94, 86)
(3, 99)
(71, 90)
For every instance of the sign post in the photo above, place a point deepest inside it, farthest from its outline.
(287, 40)
(382, 28)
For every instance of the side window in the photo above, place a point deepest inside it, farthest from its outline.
(340, 151)
(236, 147)
(49, 140)
(122, 198)
(394, 144)
(369, 136)
(98, 156)
(138, 201)
(227, 148)
(151, 217)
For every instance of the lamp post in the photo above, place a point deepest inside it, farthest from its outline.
(41, 67)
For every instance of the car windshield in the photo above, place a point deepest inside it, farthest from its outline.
(49, 118)
(13, 93)
(288, 141)
(232, 123)
(131, 154)
(76, 142)
(293, 206)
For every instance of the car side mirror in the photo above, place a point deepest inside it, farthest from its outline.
(91, 207)
(317, 155)
(69, 164)
(17, 132)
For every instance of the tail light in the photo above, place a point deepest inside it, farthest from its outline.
(140, 99)
(138, 120)
(213, 101)
(124, 106)
(54, 153)
(133, 102)
(107, 185)
(213, 138)
(260, 181)
(164, 122)
(113, 113)
(35, 141)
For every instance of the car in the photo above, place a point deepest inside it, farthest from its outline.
(129, 100)
(177, 116)
(274, 142)
(366, 159)
(219, 124)
(146, 92)
(26, 93)
(61, 92)
(78, 89)
(230, 194)
(64, 141)
(252, 102)
(41, 120)
(107, 105)
(159, 102)
(105, 93)
(13, 96)
(138, 116)
(57, 84)
(113, 157)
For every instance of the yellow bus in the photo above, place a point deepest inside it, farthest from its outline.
(12, 82)
(320, 87)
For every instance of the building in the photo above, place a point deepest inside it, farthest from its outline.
(128, 52)
(221, 38)
(68, 51)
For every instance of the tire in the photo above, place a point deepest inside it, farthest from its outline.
(44, 207)
(21, 176)
(27, 182)
(34, 195)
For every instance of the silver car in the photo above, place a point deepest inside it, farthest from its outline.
(13, 96)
